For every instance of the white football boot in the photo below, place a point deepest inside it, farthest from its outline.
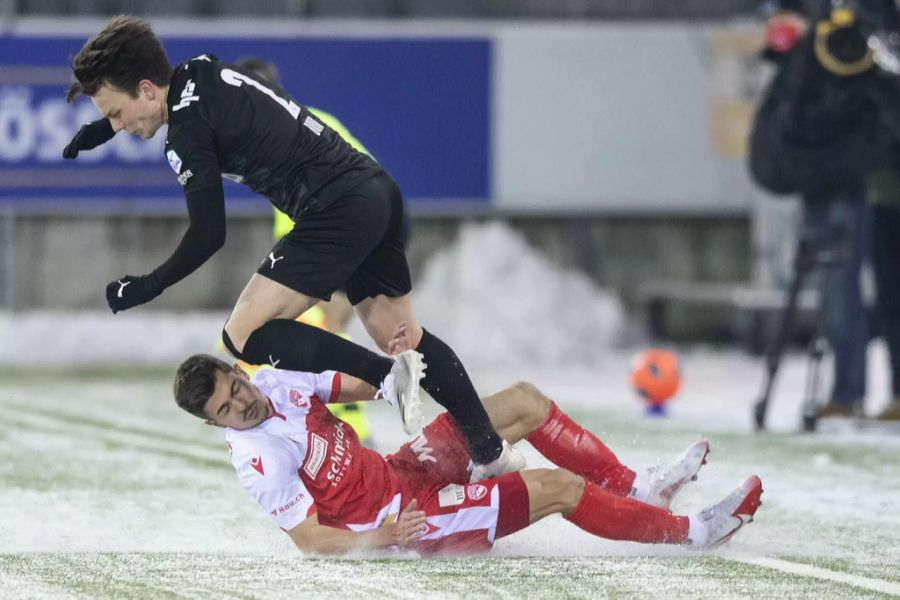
(658, 485)
(401, 389)
(509, 461)
(715, 525)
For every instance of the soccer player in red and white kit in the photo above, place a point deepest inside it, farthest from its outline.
(308, 470)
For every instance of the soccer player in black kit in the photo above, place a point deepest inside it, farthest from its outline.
(222, 122)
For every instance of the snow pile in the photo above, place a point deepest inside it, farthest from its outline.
(493, 298)
(499, 302)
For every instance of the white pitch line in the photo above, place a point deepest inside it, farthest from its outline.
(804, 570)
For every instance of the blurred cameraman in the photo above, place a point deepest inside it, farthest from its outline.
(820, 133)
(884, 193)
(882, 21)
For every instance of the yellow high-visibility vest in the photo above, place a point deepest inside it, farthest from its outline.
(283, 223)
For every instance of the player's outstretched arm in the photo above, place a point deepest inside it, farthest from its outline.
(90, 136)
(203, 238)
(311, 536)
(354, 389)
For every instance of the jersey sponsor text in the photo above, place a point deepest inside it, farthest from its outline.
(422, 449)
(187, 96)
(342, 456)
(286, 507)
(318, 448)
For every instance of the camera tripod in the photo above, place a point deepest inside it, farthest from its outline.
(821, 251)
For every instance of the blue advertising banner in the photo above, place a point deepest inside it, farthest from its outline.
(420, 105)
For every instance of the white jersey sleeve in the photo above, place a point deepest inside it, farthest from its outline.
(273, 382)
(267, 467)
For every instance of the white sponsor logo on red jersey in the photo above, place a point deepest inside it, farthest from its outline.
(451, 495)
(422, 449)
(318, 448)
(342, 456)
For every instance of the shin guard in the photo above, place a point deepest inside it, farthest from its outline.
(570, 446)
(607, 515)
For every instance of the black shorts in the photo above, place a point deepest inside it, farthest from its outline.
(355, 243)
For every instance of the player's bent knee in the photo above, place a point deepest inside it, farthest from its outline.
(535, 405)
(552, 491)
(233, 342)
(567, 488)
(241, 325)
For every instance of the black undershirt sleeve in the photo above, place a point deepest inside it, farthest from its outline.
(203, 238)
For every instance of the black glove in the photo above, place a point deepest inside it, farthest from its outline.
(89, 137)
(130, 291)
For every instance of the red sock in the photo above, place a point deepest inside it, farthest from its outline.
(615, 518)
(570, 446)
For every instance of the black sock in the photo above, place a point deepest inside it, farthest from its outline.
(287, 344)
(448, 383)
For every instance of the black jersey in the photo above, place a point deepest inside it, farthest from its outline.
(225, 123)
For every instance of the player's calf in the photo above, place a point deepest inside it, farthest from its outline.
(449, 384)
(607, 515)
(287, 344)
(523, 411)
(598, 511)
(570, 446)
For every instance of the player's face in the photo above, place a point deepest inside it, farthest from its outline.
(142, 116)
(236, 402)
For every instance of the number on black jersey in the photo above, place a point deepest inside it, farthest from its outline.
(236, 79)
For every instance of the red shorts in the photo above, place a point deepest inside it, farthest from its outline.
(462, 518)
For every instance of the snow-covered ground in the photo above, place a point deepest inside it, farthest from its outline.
(107, 489)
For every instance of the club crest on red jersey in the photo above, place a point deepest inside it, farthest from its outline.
(299, 400)
(476, 491)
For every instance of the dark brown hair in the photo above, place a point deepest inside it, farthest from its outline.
(265, 71)
(121, 56)
(195, 382)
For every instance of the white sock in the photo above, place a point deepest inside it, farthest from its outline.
(696, 531)
(640, 489)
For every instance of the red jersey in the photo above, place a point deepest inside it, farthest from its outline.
(303, 458)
